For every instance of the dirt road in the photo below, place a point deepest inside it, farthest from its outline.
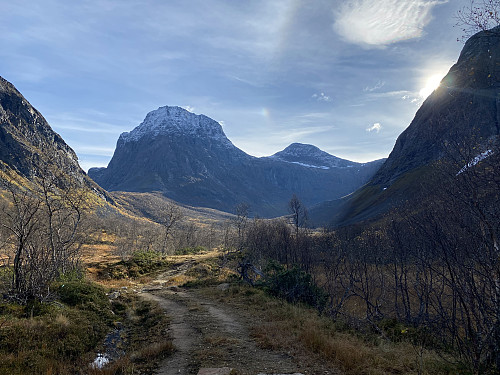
(208, 335)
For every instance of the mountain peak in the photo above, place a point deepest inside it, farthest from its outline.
(311, 156)
(176, 120)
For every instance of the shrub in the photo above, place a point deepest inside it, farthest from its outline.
(293, 285)
(190, 250)
(82, 293)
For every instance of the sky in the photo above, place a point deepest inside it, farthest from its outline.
(344, 75)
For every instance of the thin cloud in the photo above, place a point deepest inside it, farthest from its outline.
(377, 86)
(374, 128)
(321, 97)
(380, 23)
(404, 94)
(94, 150)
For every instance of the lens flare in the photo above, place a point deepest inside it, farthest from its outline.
(431, 84)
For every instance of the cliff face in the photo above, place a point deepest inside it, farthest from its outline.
(26, 139)
(188, 158)
(29, 146)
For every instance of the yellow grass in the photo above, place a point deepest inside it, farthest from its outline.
(316, 339)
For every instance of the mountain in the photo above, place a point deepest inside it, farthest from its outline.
(28, 145)
(311, 156)
(189, 159)
(460, 120)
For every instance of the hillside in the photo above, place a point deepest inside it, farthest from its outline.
(456, 123)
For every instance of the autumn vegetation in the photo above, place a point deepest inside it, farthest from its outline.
(422, 281)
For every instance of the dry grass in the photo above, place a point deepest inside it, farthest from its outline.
(314, 339)
(153, 351)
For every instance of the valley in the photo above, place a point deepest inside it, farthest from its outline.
(186, 255)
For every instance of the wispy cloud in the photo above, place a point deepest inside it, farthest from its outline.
(321, 97)
(377, 86)
(404, 94)
(380, 23)
(374, 128)
(295, 135)
(94, 150)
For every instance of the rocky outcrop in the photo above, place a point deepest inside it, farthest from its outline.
(29, 146)
(465, 105)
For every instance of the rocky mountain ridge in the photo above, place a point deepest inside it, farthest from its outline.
(30, 148)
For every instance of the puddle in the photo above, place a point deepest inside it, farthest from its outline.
(100, 361)
(113, 348)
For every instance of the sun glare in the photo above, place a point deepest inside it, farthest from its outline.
(431, 84)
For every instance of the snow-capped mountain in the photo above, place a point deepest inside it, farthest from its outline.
(189, 159)
(311, 156)
(172, 120)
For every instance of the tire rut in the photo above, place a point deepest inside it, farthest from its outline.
(208, 335)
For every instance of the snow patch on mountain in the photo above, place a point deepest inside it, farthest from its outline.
(309, 165)
(477, 159)
(177, 120)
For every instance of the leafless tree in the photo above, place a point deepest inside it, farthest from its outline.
(43, 223)
(479, 15)
(298, 213)
(168, 215)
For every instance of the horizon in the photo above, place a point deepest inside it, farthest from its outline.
(346, 77)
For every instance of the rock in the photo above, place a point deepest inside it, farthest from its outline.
(30, 147)
(223, 287)
(215, 371)
(114, 295)
(464, 110)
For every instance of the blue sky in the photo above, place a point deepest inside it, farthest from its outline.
(344, 75)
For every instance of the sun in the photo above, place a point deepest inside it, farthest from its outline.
(431, 84)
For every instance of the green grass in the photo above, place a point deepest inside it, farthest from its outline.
(190, 250)
(56, 337)
(141, 263)
(62, 336)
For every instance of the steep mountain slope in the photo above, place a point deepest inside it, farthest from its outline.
(28, 145)
(459, 120)
(188, 158)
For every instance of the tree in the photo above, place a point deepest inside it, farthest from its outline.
(240, 222)
(480, 15)
(298, 213)
(42, 223)
(169, 215)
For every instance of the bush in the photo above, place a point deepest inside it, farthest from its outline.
(190, 250)
(54, 337)
(293, 285)
(82, 293)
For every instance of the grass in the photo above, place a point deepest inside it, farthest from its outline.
(57, 337)
(63, 336)
(320, 342)
(142, 263)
